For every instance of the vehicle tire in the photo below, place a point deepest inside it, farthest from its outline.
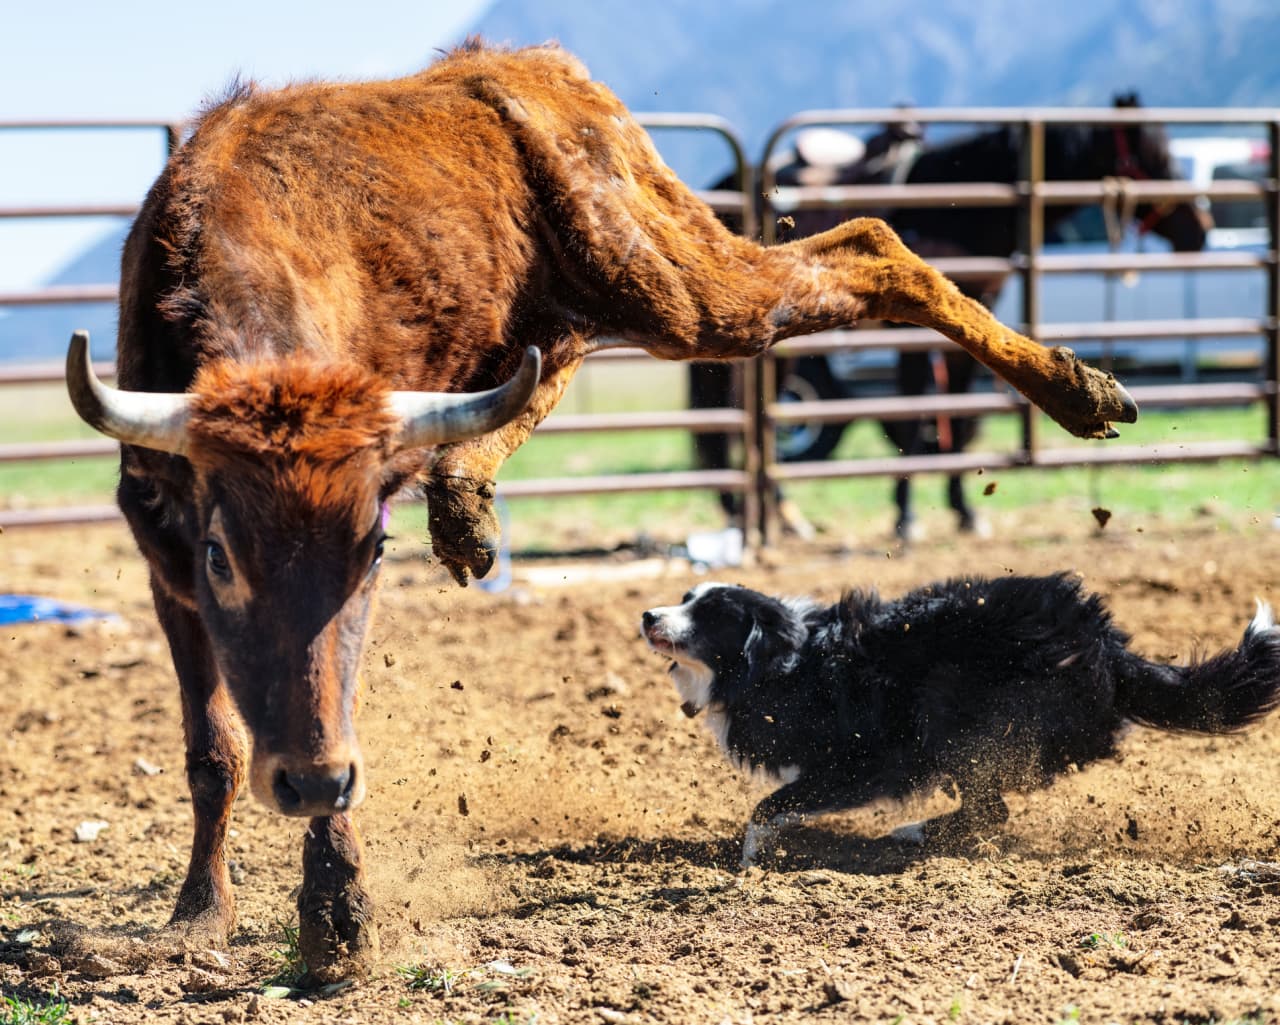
(808, 379)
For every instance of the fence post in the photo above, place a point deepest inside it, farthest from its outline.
(766, 375)
(1272, 332)
(1031, 242)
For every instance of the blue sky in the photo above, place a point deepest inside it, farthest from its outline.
(151, 59)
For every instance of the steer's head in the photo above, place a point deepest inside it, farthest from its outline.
(292, 463)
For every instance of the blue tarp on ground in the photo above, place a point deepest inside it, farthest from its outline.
(30, 608)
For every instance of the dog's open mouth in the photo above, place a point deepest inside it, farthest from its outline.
(658, 641)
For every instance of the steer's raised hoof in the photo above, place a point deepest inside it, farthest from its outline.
(464, 525)
(337, 940)
(1083, 400)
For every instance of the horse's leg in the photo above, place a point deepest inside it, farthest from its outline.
(908, 435)
(711, 387)
(960, 373)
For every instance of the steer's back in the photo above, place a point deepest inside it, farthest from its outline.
(391, 223)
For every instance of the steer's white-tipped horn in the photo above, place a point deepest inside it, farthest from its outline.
(150, 419)
(436, 418)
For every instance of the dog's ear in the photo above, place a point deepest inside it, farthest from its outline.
(776, 633)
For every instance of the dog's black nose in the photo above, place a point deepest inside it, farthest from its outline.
(648, 619)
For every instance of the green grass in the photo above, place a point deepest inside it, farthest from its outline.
(51, 1011)
(292, 966)
(432, 979)
(1105, 941)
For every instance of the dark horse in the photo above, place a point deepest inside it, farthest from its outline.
(897, 154)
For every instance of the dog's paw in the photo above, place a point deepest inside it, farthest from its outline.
(759, 840)
(1263, 619)
(912, 833)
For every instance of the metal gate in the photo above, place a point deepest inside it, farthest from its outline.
(760, 415)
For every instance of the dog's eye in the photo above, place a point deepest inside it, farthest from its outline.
(688, 597)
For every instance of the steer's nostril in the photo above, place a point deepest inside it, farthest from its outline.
(286, 794)
(344, 799)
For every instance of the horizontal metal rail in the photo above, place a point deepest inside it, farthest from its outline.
(969, 462)
(787, 198)
(58, 516)
(700, 421)
(36, 451)
(48, 373)
(1145, 263)
(913, 407)
(984, 403)
(922, 339)
(625, 483)
(1021, 115)
(736, 481)
(61, 295)
(83, 210)
(1136, 330)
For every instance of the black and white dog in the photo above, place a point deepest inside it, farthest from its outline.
(987, 686)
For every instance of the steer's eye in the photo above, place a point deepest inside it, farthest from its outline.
(377, 554)
(216, 560)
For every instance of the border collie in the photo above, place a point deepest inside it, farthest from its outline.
(984, 686)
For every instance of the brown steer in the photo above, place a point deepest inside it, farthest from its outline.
(310, 249)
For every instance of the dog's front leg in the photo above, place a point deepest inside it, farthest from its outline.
(789, 806)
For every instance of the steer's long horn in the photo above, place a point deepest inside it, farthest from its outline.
(151, 419)
(435, 418)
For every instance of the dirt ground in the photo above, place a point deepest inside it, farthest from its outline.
(549, 840)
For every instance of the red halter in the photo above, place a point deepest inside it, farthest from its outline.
(1127, 166)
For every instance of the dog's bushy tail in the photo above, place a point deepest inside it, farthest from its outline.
(1227, 692)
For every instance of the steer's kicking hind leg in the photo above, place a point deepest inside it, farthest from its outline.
(863, 258)
(216, 756)
(336, 934)
(641, 257)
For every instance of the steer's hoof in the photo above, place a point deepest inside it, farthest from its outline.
(1083, 400)
(464, 526)
(342, 945)
(475, 561)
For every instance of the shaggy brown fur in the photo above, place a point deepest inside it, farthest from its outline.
(430, 227)
(424, 230)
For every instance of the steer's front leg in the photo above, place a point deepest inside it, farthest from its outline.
(460, 488)
(336, 934)
(216, 753)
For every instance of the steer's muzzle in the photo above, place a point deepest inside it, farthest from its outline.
(309, 788)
